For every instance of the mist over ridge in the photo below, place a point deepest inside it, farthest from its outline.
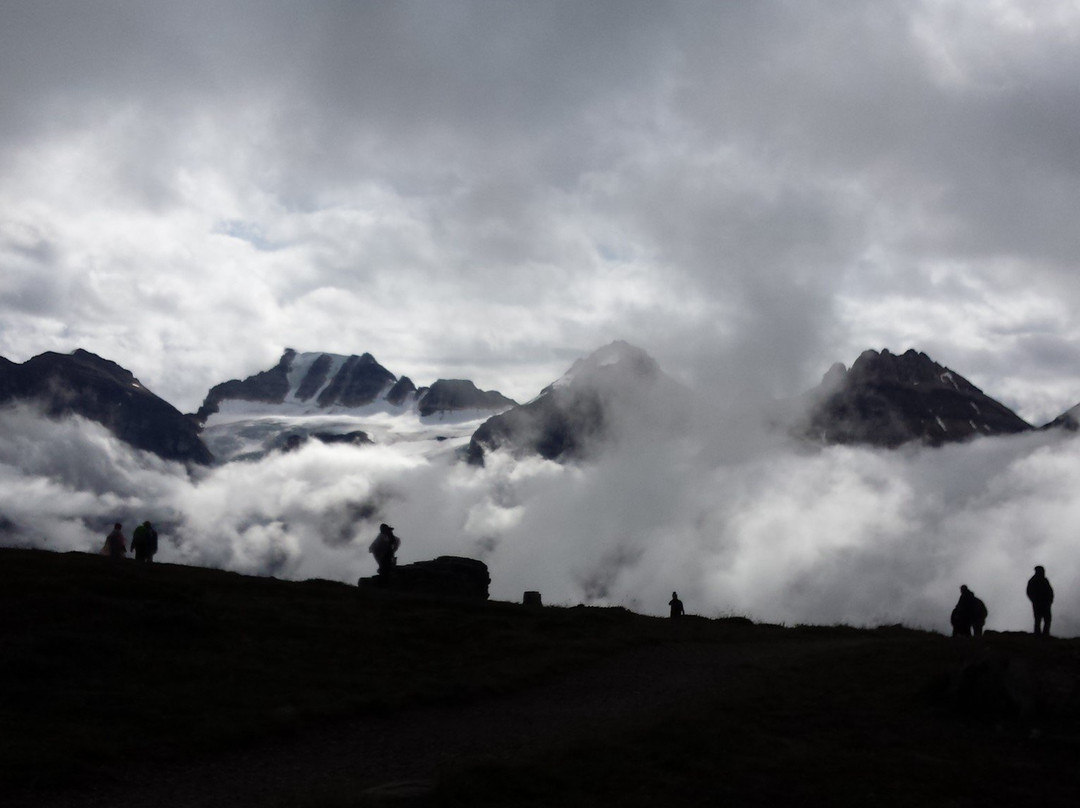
(738, 517)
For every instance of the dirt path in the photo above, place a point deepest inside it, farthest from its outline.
(405, 751)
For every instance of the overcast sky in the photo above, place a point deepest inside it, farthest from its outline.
(749, 191)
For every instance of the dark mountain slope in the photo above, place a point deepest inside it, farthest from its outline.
(449, 395)
(888, 400)
(1068, 420)
(84, 384)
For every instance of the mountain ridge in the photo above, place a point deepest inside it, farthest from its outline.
(884, 399)
(325, 382)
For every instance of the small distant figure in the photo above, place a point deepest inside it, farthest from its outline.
(144, 542)
(385, 548)
(115, 543)
(969, 615)
(1041, 595)
(676, 605)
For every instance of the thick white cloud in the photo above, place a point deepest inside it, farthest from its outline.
(485, 190)
(737, 523)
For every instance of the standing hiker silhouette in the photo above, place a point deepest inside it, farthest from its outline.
(1041, 595)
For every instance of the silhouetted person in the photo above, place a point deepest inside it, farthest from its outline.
(144, 542)
(385, 548)
(115, 543)
(1041, 595)
(676, 605)
(969, 615)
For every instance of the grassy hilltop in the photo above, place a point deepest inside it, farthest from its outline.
(169, 685)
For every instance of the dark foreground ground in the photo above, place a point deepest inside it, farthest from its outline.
(176, 686)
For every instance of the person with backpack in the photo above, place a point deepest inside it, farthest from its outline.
(969, 614)
(144, 542)
(385, 548)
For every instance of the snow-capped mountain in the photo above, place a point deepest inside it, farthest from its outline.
(310, 383)
(888, 400)
(617, 385)
(82, 383)
(335, 398)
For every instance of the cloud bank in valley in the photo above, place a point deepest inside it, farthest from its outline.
(772, 531)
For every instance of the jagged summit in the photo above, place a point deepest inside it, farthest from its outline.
(887, 399)
(323, 383)
(339, 399)
(616, 358)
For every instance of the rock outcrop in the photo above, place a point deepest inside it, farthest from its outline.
(445, 576)
(452, 395)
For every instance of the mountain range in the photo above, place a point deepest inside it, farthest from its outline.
(884, 400)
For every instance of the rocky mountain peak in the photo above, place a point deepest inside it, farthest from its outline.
(82, 383)
(887, 399)
(616, 359)
(912, 368)
(615, 388)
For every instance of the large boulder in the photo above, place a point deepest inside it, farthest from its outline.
(445, 576)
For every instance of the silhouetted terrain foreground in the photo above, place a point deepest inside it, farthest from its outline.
(178, 686)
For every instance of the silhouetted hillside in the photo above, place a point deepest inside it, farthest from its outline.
(126, 685)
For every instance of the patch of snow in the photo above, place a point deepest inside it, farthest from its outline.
(948, 378)
(250, 428)
(941, 423)
(975, 407)
(301, 364)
